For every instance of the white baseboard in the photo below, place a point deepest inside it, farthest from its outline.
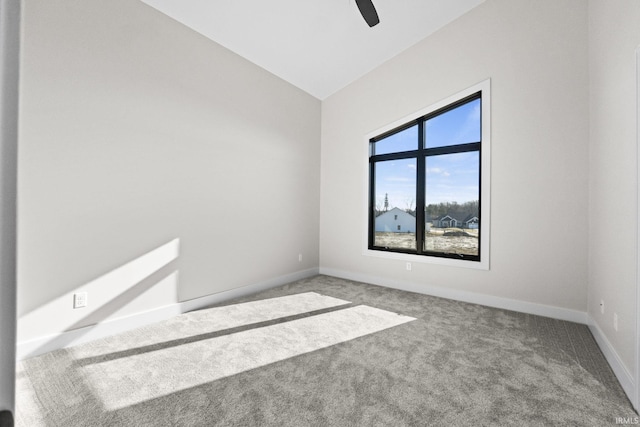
(619, 369)
(470, 297)
(64, 339)
(208, 300)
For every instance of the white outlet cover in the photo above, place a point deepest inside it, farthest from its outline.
(79, 300)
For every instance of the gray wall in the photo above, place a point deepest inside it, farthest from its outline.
(137, 131)
(536, 56)
(613, 39)
(9, 61)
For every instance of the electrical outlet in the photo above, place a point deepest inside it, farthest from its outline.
(408, 266)
(615, 321)
(299, 257)
(80, 300)
(601, 306)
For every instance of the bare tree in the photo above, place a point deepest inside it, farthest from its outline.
(378, 207)
(409, 203)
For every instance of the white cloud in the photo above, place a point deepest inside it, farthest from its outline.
(438, 171)
(397, 179)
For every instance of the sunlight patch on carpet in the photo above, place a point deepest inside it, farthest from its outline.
(232, 316)
(131, 380)
(209, 320)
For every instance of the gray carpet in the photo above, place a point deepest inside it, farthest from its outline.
(334, 353)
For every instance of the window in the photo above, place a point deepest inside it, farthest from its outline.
(434, 168)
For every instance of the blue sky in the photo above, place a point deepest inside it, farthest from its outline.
(450, 177)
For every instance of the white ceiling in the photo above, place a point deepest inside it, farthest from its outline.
(319, 46)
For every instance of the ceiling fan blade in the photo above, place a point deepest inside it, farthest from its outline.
(368, 12)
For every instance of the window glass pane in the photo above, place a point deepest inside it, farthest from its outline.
(394, 205)
(405, 140)
(458, 126)
(452, 197)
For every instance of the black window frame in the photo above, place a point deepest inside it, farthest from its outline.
(420, 155)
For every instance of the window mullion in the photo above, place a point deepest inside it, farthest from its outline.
(420, 189)
(451, 149)
(372, 203)
(394, 156)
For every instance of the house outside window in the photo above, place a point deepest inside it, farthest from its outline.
(434, 169)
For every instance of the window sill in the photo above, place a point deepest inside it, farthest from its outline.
(450, 262)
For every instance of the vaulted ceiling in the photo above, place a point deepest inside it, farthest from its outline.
(319, 46)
